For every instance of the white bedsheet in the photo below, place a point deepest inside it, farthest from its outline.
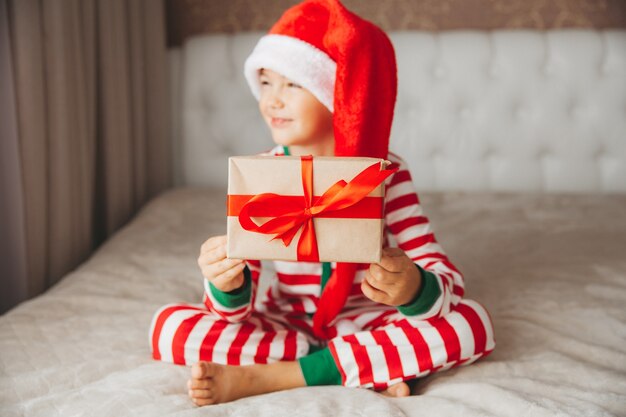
(550, 269)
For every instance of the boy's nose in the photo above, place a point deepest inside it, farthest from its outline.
(275, 102)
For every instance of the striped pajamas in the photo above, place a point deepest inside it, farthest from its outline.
(372, 345)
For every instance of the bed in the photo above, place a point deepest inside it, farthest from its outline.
(517, 144)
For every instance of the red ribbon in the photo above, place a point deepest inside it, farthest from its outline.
(292, 214)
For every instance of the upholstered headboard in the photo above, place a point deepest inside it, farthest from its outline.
(506, 110)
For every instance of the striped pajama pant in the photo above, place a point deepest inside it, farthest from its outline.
(373, 347)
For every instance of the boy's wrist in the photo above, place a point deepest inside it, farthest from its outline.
(237, 297)
(413, 295)
(427, 294)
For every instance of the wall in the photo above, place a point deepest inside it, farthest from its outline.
(190, 17)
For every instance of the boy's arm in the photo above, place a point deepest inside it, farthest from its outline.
(234, 306)
(442, 283)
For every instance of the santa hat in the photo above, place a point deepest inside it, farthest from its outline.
(349, 65)
(346, 62)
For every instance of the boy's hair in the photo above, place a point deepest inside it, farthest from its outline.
(346, 62)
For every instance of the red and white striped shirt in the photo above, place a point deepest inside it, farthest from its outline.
(296, 286)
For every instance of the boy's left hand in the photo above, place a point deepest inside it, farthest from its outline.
(393, 281)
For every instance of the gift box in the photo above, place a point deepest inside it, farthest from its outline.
(313, 209)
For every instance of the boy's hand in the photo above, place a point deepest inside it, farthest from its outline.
(225, 274)
(394, 281)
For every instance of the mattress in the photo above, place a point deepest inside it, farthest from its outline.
(551, 269)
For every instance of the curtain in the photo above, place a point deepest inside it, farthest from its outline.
(84, 131)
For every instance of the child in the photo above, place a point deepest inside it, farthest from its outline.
(326, 84)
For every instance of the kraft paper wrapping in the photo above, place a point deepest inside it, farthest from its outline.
(338, 239)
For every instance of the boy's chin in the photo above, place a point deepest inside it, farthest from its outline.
(283, 141)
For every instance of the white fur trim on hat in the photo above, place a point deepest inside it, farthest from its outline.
(297, 60)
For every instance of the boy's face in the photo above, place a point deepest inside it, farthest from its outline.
(293, 114)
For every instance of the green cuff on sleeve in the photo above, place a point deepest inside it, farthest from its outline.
(237, 297)
(319, 368)
(426, 297)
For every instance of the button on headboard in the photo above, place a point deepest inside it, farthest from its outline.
(504, 110)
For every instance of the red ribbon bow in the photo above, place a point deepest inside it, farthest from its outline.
(290, 214)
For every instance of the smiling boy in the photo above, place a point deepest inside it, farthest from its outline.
(326, 84)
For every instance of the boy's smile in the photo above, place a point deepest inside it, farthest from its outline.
(278, 122)
(296, 118)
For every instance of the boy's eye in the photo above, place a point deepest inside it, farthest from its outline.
(294, 85)
(265, 82)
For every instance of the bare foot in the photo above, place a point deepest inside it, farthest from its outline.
(401, 389)
(211, 383)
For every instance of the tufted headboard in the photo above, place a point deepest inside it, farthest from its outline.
(505, 110)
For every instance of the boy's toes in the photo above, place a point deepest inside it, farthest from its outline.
(203, 401)
(200, 394)
(201, 370)
(197, 370)
(199, 383)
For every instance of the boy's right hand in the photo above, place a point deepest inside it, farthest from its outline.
(225, 274)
